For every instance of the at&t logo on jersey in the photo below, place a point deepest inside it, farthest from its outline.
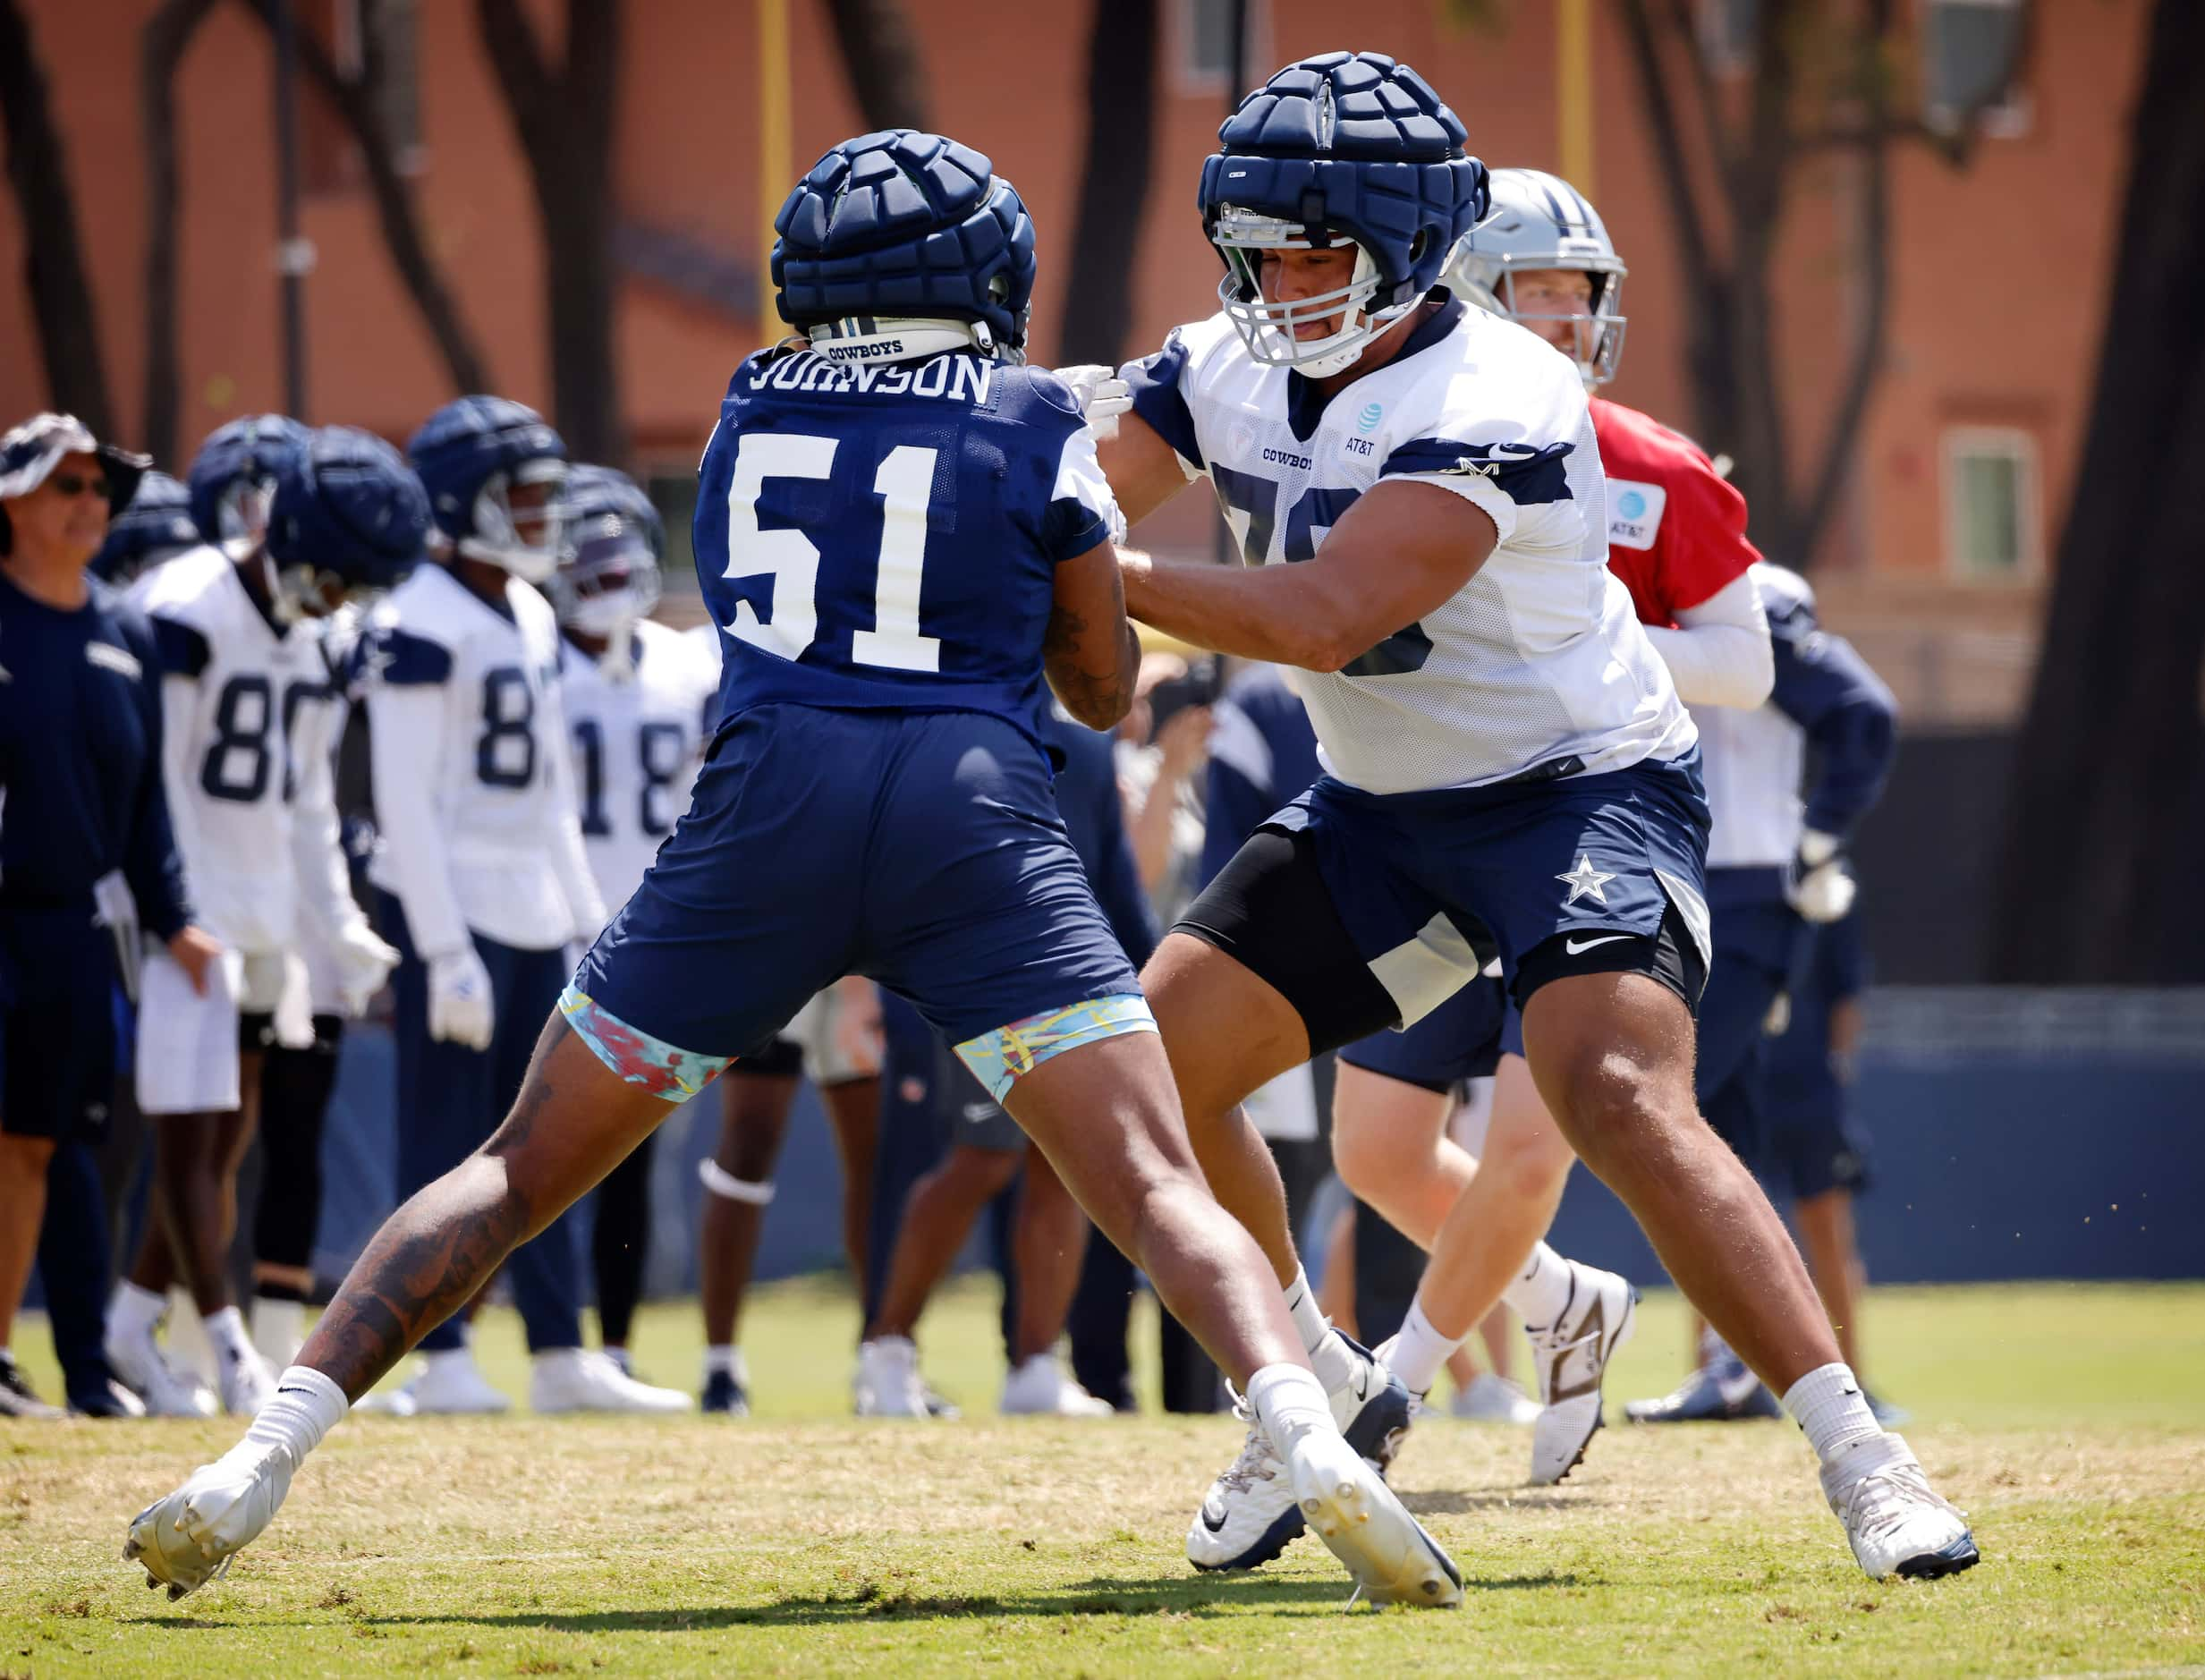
(1635, 512)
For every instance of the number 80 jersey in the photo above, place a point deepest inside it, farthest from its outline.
(885, 535)
(1536, 665)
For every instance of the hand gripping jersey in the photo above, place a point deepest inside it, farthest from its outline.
(1676, 531)
(237, 693)
(474, 788)
(846, 531)
(637, 744)
(1535, 666)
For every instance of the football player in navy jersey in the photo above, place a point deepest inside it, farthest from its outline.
(1417, 492)
(900, 529)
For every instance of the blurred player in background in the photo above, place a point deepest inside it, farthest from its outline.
(1777, 867)
(1815, 1150)
(484, 882)
(987, 1152)
(242, 659)
(877, 800)
(347, 524)
(1509, 760)
(835, 1041)
(639, 697)
(1676, 539)
(87, 858)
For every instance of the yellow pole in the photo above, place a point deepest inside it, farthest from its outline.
(774, 171)
(1574, 94)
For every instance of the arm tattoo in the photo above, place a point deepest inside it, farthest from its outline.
(1085, 696)
(428, 1261)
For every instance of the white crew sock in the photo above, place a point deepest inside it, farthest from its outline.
(132, 1312)
(1828, 1406)
(1291, 1402)
(226, 1330)
(1336, 1365)
(1541, 1294)
(1419, 1351)
(728, 1357)
(1307, 1318)
(305, 1407)
(450, 1358)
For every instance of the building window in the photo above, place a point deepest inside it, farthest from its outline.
(1991, 524)
(1971, 62)
(1202, 55)
(673, 491)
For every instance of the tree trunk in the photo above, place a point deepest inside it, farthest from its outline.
(61, 296)
(161, 49)
(2113, 744)
(353, 100)
(1114, 191)
(564, 120)
(880, 55)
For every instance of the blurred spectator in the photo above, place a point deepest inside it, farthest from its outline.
(1162, 745)
(87, 856)
(1815, 1149)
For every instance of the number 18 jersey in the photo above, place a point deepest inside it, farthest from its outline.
(886, 536)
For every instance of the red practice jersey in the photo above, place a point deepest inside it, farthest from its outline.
(1676, 532)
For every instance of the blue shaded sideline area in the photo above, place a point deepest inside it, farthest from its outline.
(2016, 1136)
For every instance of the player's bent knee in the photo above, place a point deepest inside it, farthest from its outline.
(1000, 1058)
(664, 1070)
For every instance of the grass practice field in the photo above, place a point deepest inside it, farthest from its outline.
(2069, 1421)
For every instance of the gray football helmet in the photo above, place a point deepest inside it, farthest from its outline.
(1540, 221)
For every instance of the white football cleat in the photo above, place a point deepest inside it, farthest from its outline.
(247, 1384)
(888, 1384)
(188, 1539)
(1493, 1399)
(1041, 1386)
(1571, 1355)
(579, 1380)
(1251, 1513)
(449, 1384)
(1898, 1526)
(138, 1360)
(1354, 1513)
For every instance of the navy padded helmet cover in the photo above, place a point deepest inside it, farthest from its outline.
(1356, 144)
(904, 222)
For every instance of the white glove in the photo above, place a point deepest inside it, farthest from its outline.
(362, 963)
(460, 1003)
(1822, 887)
(1103, 396)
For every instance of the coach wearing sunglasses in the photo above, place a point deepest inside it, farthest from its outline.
(86, 854)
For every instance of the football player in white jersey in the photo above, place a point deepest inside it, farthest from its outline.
(637, 697)
(482, 878)
(243, 672)
(1418, 497)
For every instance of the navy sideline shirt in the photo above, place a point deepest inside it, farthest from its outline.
(80, 759)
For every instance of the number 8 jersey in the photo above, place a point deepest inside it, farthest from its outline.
(1536, 667)
(884, 536)
(474, 789)
(233, 688)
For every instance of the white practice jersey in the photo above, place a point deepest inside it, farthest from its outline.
(1538, 661)
(638, 742)
(238, 697)
(474, 787)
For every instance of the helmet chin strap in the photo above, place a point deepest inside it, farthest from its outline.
(617, 662)
(863, 338)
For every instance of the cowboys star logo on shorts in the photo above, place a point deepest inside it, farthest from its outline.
(1584, 881)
